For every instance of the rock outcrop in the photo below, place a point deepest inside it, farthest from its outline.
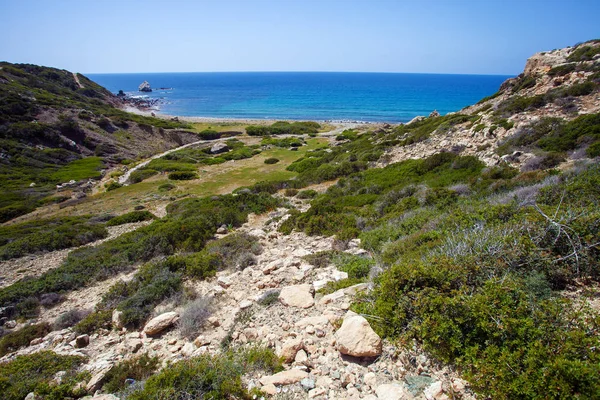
(145, 87)
(158, 324)
(356, 338)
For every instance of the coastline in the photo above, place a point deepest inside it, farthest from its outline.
(152, 112)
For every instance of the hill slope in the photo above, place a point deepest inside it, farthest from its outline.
(57, 126)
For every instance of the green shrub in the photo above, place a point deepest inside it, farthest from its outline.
(183, 176)
(35, 372)
(138, 368)
(594, 149)
(237, 251)
(271, 160)
(583, 53)
(215, 377)
(290, 192)
(48, 235)
(141, 174)
(13, 341)
(165, 187)
(130, 217)
(209, 134)
(112, 185)
(307, 194)
(101, 319)
(561, 70)
(283, 128)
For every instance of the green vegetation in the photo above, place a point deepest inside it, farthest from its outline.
(13, 341)
(35, 372)
(49, 235)
(283, 128)
(518, 104)
(189, 225)
(214, 377)
(49, 153)
(555, 135)
(138, 368)
(134, 216)
(285, 142)
(183, 176)
(271, 160)
(421, 130)
(140, 175)
(94, 321)
(185, 162)
(584, 53)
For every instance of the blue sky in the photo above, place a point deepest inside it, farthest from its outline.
(479, 37)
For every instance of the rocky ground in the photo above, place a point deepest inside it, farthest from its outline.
(329, 352)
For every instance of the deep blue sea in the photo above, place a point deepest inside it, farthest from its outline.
(389, 97)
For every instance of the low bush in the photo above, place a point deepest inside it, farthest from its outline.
(183, 176)
(69, 318)
(140, 175)
(93, 321)
(165, 187)
(209, 134)
(290, 192)
(237, 251)
(48, 235)
(130, 217)
(112, 185)
(307, 194)
(215, 377)
(194, 316)
(283, 128)
(137, 368)
(35, 373)
(271, 160)
(13, 341)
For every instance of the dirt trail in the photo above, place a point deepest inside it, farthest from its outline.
(77, 80)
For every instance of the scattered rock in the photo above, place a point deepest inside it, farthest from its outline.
(160, 323)
(290, 348)
(269, 389)
(82, 341)
(307, 384)
(356, 338)
(284, 377)
(218, 148)
(297, 296)
(392, 391)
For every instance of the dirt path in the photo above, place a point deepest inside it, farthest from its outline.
(77, 80)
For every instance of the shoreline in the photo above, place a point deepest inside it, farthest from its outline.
(157, 114)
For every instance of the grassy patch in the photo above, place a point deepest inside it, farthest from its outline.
(35, 372)
(49, 235)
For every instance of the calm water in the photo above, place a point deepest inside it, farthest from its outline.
(308, 95)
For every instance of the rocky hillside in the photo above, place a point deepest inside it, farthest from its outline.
(57, 126)
(454, 257)
(519, 123)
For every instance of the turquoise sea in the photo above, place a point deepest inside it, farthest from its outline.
(374, 97)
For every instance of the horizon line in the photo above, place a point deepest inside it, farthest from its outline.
(287, 72)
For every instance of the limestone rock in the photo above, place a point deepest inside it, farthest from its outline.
(392, 391)
(297, 296)
(160, 323)
(96, 382)
(269, 389)
(290, 348)
(218, 148)
(284, 377)
(356, 338)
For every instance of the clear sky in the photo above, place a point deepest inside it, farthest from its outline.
(436, 36)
